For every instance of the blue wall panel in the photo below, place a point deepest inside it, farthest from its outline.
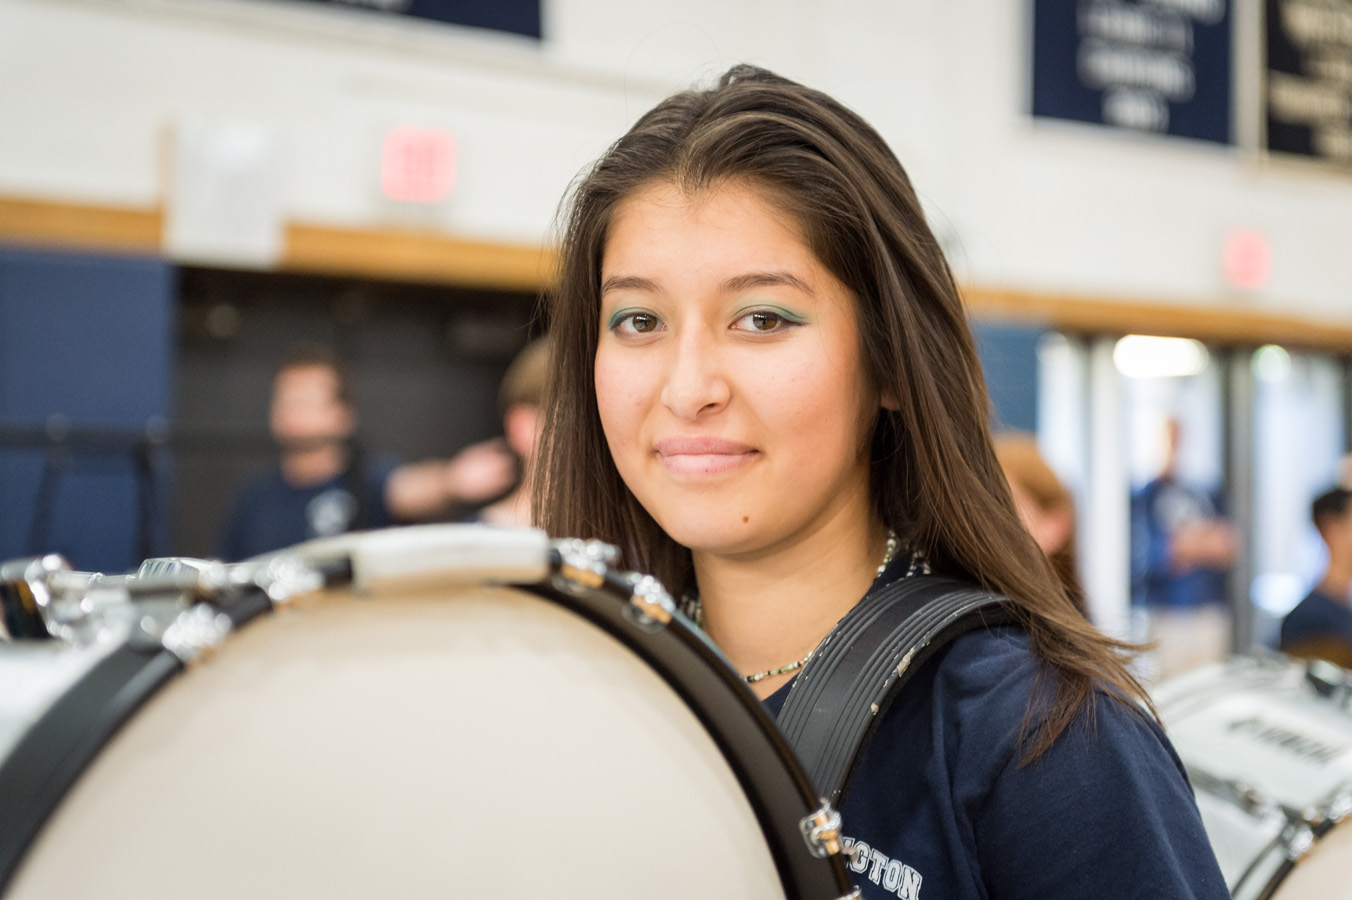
(86, 343)
(1009, 360)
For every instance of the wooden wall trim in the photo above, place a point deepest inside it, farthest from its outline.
(1214, 325)
(42, 223)
(317, 249)
(441, 259)
(415, 256)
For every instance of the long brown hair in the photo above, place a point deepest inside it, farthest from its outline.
(933, 476)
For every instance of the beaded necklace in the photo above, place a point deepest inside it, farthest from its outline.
(695, 611)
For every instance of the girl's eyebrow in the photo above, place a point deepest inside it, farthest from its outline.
(628, 283)
(736, 283)
(767, 279)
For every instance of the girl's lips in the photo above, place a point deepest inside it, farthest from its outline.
(700, 456)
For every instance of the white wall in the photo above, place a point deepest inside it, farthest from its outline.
(89, 89)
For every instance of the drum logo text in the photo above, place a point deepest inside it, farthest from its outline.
(1296, 744)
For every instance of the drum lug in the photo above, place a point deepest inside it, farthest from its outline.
(821, 831)
(1328, 680)
(1297, 841)
(26, 596)
(196, 632)
(284, 578)
(650, 606)
(1338, 807)
(1251, 800)
(585, 562)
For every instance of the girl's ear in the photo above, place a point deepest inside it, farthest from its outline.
(889, 401)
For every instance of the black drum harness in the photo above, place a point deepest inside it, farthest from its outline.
(861, 666)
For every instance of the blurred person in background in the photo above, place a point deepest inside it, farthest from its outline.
(324, 485)
(1182, 547)
(519, 399)
(1045, 506)
(1320, 626)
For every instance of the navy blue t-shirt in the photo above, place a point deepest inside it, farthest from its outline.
(939, 808)
(1157, 511)
(270, 514)
(1317, 617)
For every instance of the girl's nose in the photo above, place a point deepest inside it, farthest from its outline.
(695, 383)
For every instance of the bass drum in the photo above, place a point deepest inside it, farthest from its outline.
(1268, 746)
(479, 713)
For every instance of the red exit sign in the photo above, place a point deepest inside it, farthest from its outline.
(417, 165)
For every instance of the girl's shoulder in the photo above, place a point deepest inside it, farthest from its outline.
(988, 661)
(992, 689)
(1043, 828)
(981, 688)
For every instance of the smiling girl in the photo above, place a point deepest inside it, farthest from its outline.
(765, 392)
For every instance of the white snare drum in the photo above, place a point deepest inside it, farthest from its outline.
(1268, 746)
(485, 714)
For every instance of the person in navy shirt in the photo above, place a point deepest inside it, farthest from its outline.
(1182, 546)
(323, 485)
(764, 390)
(1320, 626)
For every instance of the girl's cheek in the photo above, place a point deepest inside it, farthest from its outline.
(632, 386)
